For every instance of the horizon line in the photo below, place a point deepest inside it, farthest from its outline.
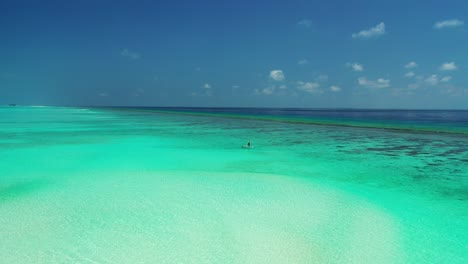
(251, 107)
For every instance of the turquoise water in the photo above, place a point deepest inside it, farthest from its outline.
(123, 186)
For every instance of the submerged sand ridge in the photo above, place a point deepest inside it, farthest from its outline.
(198, 217)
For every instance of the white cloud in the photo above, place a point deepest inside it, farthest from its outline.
(451, 23)
(265, 91)
(322, 78)
(372, 32)
(411, 65)
(446, 79)
(130, 54)
(356, 66)
(335, 88)
(379, 83)
(309, 87)
(448, 66)
(272, 89)
(303, 62)
(277, 75)
(234, 87)
(409, 74)
(103, 94)
(306, 23)
(432, 80)
(206, 90)
(454, 91)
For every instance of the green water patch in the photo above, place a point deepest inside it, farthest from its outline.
(19, 190)
(432, 229)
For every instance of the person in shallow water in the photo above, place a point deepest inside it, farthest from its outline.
(248, 145)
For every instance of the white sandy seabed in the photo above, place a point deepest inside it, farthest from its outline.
(194, 217)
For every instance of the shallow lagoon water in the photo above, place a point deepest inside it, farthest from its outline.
(123, 186)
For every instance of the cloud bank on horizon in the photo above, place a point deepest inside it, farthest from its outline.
(317, 54)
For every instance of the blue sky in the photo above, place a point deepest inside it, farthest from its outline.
(358, 54)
